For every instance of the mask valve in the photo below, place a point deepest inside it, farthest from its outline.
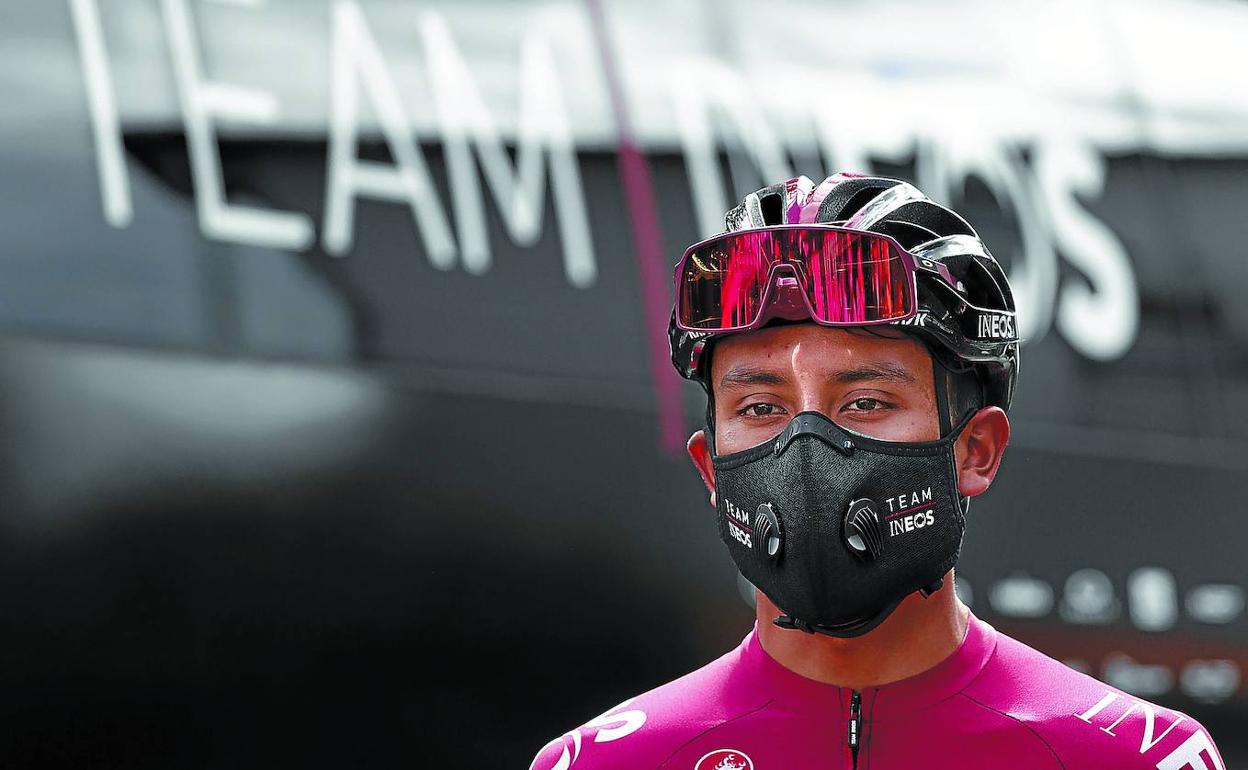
(767, 536)
(863, 531)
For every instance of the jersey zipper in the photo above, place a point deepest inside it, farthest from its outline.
(854, 735)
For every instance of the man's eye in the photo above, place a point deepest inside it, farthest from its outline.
(866, 404)
(759, 410)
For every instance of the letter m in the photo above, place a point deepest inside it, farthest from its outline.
(518, 192)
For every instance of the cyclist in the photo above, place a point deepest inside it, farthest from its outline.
(864, 357)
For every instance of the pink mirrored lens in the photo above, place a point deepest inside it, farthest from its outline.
(849, 278)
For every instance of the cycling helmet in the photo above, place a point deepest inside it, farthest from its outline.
(951, 317)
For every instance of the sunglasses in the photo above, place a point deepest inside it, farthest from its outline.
(832, 275)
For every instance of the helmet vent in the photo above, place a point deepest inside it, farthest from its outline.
(860, 199)
(771, 206)
(848, 197)
(907, 234)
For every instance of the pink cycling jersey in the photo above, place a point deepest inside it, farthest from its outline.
(993, 703)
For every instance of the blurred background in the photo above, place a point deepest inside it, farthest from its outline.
(338, 427)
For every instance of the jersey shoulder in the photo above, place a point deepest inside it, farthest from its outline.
(643, 732)
(1085, 722)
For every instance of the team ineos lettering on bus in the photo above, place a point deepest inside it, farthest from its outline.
(996, 326)
(1046, 193)
(910, 511)
(739, 524)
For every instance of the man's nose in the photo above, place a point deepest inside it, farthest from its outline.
(813, 390)
(813, 400)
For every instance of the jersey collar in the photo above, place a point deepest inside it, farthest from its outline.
(924, 689)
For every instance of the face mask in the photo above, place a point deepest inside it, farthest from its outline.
(837, 528)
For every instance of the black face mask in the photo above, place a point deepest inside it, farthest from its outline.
(837, 528)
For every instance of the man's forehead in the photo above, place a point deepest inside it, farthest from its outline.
(766, 356)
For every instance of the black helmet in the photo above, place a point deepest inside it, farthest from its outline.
(968, 326)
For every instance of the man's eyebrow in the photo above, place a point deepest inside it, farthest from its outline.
(745, 375)
(887, 372)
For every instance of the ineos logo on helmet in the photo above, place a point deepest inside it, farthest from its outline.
(996, 326)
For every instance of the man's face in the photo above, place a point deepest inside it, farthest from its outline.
(878, 386)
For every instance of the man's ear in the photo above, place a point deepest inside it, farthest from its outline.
(979, 448)
(700, 453)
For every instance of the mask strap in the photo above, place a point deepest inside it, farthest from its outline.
(940, 376)
(705, 382)
(710, 421)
